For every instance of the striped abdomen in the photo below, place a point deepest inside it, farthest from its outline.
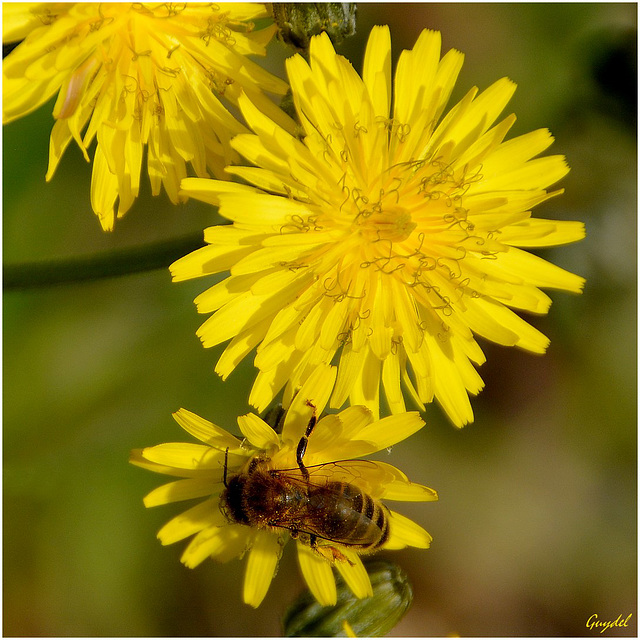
(340, 512)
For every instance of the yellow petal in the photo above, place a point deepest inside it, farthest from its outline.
(538, 272)
(318, 575)
(355, 419)
(537, 232)
(205, 431)
(448, 387)
(181, 490)
(206, 261)
(415, 72)
(258, 432)
(354, 574)
(270, 257)
(104, 190)
(233, 542)
(239, 347)
(220, 542)
(376, 71)
(203, 515)
(391, 383)
(275, 354)
(307, 333)
(495, 322)
(351, 363)
(535, 174)
(224, 292)
(275, 211)
(315, 392)
(333, 323)
(519, 150)
(366, 389)
(390, 430)
(261, 566)
(404, 306)
(247, 310)
(20, 18)
(408, 492)
(137, 458)
(405, 532)
(269, 383)
(185, 455)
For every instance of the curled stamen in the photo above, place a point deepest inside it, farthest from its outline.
(396, 344)
(172, 72)
(329, 284)
(171, 51)
(359, 197)
(478, 241)
(358, 128)
(46, 17)
(442, 262)
(403, 131)
(427, 263)
(140, 54)
(173, 9)
(127, 89)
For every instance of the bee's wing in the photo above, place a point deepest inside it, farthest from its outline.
(378, 479)
(368, 475)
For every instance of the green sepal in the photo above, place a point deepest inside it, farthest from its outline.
(298, 22)
(366, 617)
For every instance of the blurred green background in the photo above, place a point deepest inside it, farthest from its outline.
(535, 529)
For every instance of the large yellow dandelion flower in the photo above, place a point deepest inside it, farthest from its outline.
(137, 75)
(387, 238)
(267, 488)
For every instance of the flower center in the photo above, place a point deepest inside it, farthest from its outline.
(391, 223)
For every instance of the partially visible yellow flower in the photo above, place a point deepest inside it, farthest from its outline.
(289, 505)
(138, 76)
(385, 240)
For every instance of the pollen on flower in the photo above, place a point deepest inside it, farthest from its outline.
(395, 234)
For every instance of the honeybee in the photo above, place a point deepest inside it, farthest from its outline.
(315, 509)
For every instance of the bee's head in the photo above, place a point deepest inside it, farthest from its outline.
(231, 500)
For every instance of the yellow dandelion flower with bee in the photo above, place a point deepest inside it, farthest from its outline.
(267, 488)
(138, 77)
(385, 239)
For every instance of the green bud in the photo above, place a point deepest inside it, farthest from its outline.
(367, 617)
(297, 22)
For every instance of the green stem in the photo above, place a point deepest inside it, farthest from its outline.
(109, 264)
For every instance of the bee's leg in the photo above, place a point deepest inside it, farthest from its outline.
(302, 445)
(224, 473)
(338, 555)
(329, 553)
